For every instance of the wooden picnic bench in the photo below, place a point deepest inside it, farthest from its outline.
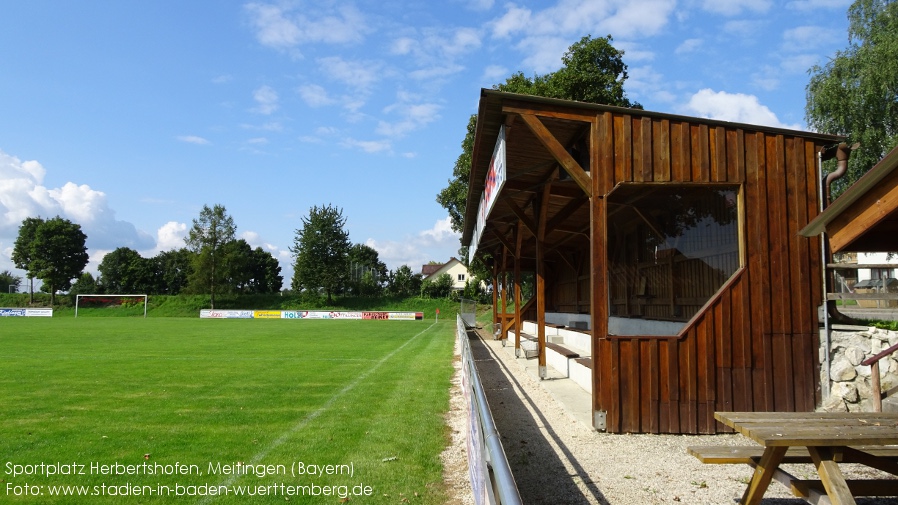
(825, 440)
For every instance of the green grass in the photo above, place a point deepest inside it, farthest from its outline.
(371, 394)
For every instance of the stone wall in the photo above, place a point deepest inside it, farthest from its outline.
(850, 381)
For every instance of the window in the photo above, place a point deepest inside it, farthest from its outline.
(461, 277)
(670, 249)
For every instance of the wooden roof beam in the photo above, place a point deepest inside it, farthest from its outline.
(519, 212)
(567, 162)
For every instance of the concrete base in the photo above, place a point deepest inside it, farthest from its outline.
(576, 401)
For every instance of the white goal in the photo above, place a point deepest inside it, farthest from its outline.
(108, 299)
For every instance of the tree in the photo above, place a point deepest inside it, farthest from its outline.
(85, 285)
(321, 252)
(404, 282)
(10, 282)
(22, 253)
(441, 287)
(58, 254)
(854, 94)
(123, 271)
(266, 272)
(251, 270)
(207, 238)
(366, 272)
(175, 268)
(593, 71)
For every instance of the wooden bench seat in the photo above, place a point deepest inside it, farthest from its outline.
(812, 491)
(587, 362)
(567, 353)
(723, 454)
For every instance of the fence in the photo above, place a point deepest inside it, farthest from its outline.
(468, 312)
(491, 480)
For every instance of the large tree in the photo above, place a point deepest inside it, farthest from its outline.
(175, 268)
(321, 252)
(23, 249)
(856, 93)
(251, 270)
(124, 271)
(10, 282)
(404, 282)
(58, 254)
(207, 238)
(593, 71)
(366, 272)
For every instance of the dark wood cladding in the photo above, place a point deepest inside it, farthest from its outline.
(754, 346)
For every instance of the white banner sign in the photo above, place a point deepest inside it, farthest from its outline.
(495, 180)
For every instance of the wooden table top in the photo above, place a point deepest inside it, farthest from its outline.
(814, 428)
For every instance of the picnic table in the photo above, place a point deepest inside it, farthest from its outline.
(826, 439)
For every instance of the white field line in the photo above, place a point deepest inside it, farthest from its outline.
(302, 423)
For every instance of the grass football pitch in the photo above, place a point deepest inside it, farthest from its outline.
(178, 410)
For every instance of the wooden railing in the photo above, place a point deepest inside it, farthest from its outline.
(873, 361)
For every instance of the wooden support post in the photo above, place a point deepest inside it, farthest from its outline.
(601, 163)
(541, 308)
(543, 207)
(504, 275)
(876, 387)
(519, 242)
(495, 294)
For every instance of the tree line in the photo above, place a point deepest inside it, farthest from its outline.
(214, 262)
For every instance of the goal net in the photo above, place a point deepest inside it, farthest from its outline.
(125, 304)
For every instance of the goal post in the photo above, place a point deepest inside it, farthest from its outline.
(78, 299)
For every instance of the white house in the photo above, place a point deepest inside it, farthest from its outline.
(455, 268)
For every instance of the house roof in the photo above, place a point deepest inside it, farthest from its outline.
(865, 217)
(432, 269)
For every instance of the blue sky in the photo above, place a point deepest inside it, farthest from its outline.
(127, 117)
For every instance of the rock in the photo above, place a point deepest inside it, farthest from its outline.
(834, 403)
(847, 391)
(842, 370)
(855, 356)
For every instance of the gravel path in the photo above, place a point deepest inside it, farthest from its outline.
(559, 460)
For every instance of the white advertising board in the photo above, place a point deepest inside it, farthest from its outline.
(495, 180)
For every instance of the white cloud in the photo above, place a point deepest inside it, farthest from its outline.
(480, 5)
(805, 38)
(22, 195)
(193, 139)
(688, 46)
(744, 29)
(368, 146)
(315, 95)
(816, 5)
(736, 107)
(360, 75)
(266, 100)
(412, 116)
(547, 33)
(735, 7)
(495, 73)
(288, 26)
(436, 244)
(170, 236)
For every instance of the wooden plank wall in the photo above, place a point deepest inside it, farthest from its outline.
(755, 346)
